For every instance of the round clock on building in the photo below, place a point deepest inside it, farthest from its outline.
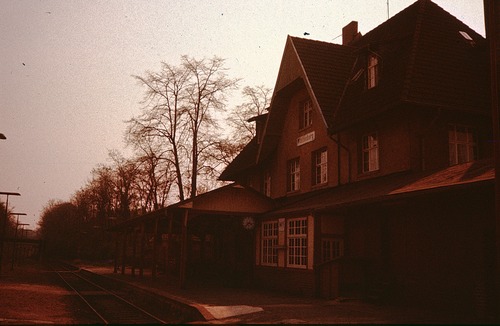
(248, 222)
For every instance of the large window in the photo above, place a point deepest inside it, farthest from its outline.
(305, 119)
(269, 243)
(372, 71)
(293, 175)
(320, 166)
(369, 153)
(462, 144)
(297, 242)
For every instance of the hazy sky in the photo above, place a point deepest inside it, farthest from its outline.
(65, 70)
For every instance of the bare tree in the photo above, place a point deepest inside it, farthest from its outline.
(161, 117)
(60, 228)
(102, 190)
(96, 201)
(179, 110)
(256, 102)
(155, 174)
(82, 199)
(124, 179)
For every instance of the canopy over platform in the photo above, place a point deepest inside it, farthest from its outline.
(232, 199)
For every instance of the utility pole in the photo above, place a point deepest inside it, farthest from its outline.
(14, 250)
(4, 227)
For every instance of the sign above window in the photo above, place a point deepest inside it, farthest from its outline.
(307, 138)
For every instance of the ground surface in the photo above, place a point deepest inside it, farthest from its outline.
(31, 295)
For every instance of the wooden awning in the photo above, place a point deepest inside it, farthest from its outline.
(392, 187)
(232, 199)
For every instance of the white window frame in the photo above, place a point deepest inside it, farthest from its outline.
(297, 242)
(269, 251)
(293, 175)
(372, 71)
(331, 248)
(462, 144)
(306, 114)
(370, 152)
(320, 166)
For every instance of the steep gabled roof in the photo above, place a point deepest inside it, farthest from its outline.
(319, 66)
(425, 60)
(446, 63)
(326, 68)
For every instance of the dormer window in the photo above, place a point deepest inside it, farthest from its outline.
(462, 144)
(372, 71)
(305, 114)
(467, 37)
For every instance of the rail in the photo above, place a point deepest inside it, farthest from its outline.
(108, 306)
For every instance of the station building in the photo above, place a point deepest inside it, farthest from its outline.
(370, 175)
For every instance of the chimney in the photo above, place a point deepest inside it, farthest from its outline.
(350, 32)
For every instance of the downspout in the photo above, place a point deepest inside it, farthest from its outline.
(337, 140)
(184, 249)
(154, 270)
(339, 158)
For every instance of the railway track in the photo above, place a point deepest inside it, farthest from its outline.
(108, 306)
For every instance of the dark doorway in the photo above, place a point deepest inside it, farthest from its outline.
(220, 251)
